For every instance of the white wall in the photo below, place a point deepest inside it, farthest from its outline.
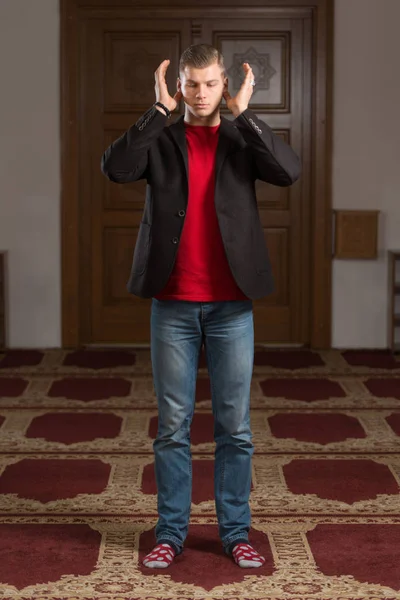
(366, 158)
(366, 163)
(30, 169)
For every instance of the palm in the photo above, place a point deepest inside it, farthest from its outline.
(240, 97)
(240, 102)
(161, 88)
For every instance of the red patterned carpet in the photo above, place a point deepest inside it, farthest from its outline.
(78, 496)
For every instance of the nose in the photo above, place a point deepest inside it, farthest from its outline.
(202, 92)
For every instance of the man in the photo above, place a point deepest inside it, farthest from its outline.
(201, 256)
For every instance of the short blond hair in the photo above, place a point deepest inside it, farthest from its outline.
(200, 56)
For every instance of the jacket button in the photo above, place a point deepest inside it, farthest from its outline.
(175, 240)
(181, 213)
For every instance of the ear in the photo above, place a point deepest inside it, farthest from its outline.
(178, 85)
(225, 83)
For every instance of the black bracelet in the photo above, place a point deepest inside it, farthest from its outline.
(167, 112)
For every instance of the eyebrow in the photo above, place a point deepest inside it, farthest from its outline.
(211, 81)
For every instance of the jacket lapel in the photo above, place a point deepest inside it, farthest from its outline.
(229, 141)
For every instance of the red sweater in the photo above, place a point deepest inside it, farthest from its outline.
(201, 272)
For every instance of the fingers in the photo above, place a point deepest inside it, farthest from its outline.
(249, 76)
(178, 96)
(164, 66)
(246, 68)
(225, 93)
(227, 97)
(162, 69)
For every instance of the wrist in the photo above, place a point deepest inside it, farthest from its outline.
(237, 110)
(164, 107)
(161, 110)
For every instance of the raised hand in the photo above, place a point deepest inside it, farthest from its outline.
(241, 101)
(161, 89)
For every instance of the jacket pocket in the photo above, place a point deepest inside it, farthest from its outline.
(141, 254)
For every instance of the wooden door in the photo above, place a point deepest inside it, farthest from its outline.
(117, 66)
(118, 86)
(279, 52)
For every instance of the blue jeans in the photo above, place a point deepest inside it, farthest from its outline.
(178, 330)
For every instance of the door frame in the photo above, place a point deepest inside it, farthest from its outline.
(71, 12)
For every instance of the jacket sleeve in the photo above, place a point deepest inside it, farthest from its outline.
(126, 159)
(275, 161)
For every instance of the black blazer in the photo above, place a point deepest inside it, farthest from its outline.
(247, 150)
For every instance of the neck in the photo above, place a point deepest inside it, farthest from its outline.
(209, 121)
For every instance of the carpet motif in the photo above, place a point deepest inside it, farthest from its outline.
(77, 479)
